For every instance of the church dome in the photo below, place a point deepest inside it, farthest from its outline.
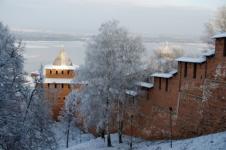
(166, 50)
(62, 59)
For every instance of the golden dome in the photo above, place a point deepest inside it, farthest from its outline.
(166, 49)
(62, 59)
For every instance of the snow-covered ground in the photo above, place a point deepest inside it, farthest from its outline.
(209, 142)
(84, 141)
(76, 136)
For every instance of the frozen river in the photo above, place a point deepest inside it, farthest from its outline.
(44, 52)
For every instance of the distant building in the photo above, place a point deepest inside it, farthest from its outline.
(58, 80)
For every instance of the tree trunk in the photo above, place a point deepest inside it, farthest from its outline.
(120, 137)
(68, 131)
(109, 140)
(102, 134)
(80, 136)
(120, 131)
(29, 103)
(107, 130)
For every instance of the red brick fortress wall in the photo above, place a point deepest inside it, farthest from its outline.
(196, 94)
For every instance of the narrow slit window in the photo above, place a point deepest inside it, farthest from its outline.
(194, 71)
(159, 83)
(224, 46)
(48, 85)
(62, 85)
(206, 68)
(69, 86)
(55, 85)
(166, 85)
(50, 71)
(147, 96)
(185, 69)
(62, 72)
(68, 72)
(56, 72)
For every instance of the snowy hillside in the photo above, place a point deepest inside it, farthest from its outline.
(209, 142)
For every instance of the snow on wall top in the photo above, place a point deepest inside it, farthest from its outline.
(82, 82)
(145, 84)
(62, 67)
(173, 71)
(209, 52)
(191, 59)
(58, 80)
(131, 93)
(164, 75)
(220, 35)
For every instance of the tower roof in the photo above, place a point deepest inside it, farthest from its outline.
(62, 59)
(165, 50)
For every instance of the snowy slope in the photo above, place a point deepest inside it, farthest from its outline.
(209, 142)
(76, 136)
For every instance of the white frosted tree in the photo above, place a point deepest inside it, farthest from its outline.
(11, 78)
(22, 127)
(69, 114)
(163, 58)
(216, 25)
(37, 121)
(112, 65)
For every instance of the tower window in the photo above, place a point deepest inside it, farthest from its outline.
(56, 72)
(68, 72)
(50, 71)
(194, 71)
(185, 69)
(48, 85)
(62, 85)
(55, 85)
(62, 72)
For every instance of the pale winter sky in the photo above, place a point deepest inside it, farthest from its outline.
(146, 17)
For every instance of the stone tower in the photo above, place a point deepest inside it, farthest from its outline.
(59, 81)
